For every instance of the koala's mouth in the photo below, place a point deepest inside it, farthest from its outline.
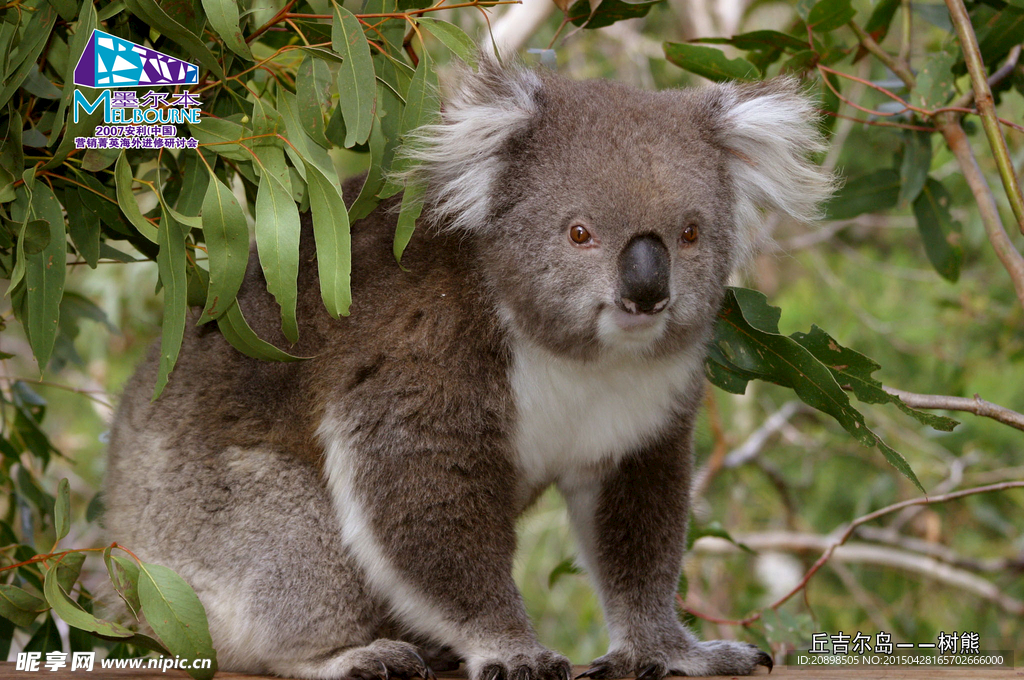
(630, 322)
(620, 328)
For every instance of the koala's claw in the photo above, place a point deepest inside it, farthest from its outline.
(764, 659)
(597, 672)
(652, 672)
(384, 667)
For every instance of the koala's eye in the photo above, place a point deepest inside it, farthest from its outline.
(579, 235)
(689, 235)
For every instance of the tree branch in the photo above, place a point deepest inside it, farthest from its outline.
(844, 536)
(895, 64)
(888, 556)
(987, 107)
(956, 139)
(977, 406)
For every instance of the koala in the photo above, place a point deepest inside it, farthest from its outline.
(353, 515)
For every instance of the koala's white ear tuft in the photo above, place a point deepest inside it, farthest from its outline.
(769, 130)
(461, 157)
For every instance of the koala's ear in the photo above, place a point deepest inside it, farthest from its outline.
(461, 157)
(769, 129)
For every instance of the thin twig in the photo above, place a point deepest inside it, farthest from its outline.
(1012, 260)
(987, 107)
(895, 64)
(977, 406)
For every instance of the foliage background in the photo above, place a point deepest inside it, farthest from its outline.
(868, 278)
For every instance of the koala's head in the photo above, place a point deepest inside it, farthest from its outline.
(608, 218)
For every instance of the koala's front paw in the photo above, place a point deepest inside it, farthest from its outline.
(540, 664)
(384, 660)
(714, 657)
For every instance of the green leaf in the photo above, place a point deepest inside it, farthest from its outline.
(412, 206)
(74, 615)
(126, 199)
(153, 15)
(37, 236)
(1005, 30)
(171, 263)
(313, 88)
(939, 231)
(20, 606)
(46, 638)
(333, 241)
(747, 336)
(713, 529)
(236, 331)
(87, 22)
(759, 40)
(305, 150)
(935, 81)
(422, 108)
(177, 616)
(83, 226)
(44, 277)
(223, 16)
(37, 34)
(277, 242)
(356, 81)
(194, 181)
(607, 12)
(62, 509)
(367, 199)
(917, 160)
(561, 569)
(874, 192)
(881, 18)
(227, 244)
(853, 370)
(124, 576)
(68, 569)
(709, 62)
(828, 15)
(223, 137)
(452, 37)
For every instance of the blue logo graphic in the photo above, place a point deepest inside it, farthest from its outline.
(109, 61)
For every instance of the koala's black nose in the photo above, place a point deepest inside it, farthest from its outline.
(644, 266)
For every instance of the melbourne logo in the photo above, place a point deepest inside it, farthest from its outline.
(133, 119)
(109, 61)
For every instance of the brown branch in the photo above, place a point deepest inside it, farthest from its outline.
(895, 64)
(987, 107)
(977, 406)
(848, 531)
(277, 19)
(1012, 260)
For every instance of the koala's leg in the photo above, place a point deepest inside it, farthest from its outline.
(631, 527)
(430, 516)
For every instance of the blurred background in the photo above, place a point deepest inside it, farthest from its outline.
(781, 476)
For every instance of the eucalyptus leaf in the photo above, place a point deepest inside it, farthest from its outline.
(227, 243)
(277, 242)
(356, 82)
(709, 62)
(177, 616)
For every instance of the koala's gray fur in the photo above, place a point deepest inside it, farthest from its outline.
(349, 515)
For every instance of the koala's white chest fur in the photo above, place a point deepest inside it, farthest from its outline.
(570, 414)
